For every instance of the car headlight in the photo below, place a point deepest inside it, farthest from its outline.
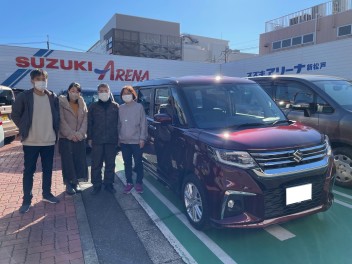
(328, 146)
(239, 159)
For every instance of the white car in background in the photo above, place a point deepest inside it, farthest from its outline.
(7, 97)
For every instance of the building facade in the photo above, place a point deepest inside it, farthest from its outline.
(319, 24)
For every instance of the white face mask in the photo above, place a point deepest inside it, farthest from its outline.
(73, 96)
(40, 85)
(104, 96)
(127, 98)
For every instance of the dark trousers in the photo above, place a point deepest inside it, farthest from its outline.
(31, 154)
(129, 151)
(103, 153)
(73, 160)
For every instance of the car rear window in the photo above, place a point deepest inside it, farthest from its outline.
(6, 97)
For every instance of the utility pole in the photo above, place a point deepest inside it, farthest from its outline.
(47, 42)
(226, 52)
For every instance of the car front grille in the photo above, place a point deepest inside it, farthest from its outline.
(289, 158)
(275, 199)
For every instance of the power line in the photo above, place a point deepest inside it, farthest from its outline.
(24, 43)
(68, 47)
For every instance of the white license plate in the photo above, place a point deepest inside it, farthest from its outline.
(298, 194)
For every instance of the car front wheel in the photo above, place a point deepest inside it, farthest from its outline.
(195, 204)
(343, 163)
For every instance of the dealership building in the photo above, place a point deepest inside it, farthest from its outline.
(316, 40)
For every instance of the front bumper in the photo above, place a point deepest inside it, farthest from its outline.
(263, 203)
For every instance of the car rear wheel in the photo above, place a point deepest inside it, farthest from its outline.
(195, 204)
(343, 163)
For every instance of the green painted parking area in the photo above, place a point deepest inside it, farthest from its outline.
(320, 238)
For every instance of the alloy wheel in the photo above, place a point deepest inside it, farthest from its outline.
(193, 202)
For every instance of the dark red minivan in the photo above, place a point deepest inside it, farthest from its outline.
(224, 145)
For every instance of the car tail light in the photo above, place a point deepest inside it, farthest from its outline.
(0, 119)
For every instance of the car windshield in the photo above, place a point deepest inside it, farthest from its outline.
(90, 97)
(232, 105)
(340, 91)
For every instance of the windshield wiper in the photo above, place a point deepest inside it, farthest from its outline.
(280, 122)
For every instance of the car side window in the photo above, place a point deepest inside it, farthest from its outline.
(162, 101)
(323, 106)
(179, 116)
(288, 93)
(144, 98)
(268, 87)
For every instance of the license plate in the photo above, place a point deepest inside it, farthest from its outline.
(298, 194)
(5, 118)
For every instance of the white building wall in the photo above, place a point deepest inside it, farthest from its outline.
(15, 65)
(332, 58)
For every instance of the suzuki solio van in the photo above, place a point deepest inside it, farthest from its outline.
(229, 151)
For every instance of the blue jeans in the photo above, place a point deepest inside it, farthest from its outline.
(129, 151)
(31, 154)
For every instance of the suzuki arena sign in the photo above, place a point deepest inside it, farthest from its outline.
(126, 75)
(89, 69)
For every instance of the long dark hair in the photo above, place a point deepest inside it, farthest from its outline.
(76, 85)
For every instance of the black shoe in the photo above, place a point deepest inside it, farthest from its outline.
(110, 188)
(24, 208)
(77, 188)
(50, 199)
(96, 190)
(70, 190)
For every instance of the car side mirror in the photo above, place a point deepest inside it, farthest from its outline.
(327, 109)
(303, 107)
(163, 119)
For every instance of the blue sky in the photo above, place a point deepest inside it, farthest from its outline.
(77, 23)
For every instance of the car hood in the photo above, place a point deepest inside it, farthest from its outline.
(265, 138)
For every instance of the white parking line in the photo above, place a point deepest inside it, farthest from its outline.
(279, 232)
(186, 257)
(222, 255)
(343, 194)
(343, 203)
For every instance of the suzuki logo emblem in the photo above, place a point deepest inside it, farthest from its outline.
(297, 156)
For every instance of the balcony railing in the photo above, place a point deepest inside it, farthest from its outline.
(325, 9)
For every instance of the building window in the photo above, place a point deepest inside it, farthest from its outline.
(277, 45)
(109, 43)
(297, 41)
(286, 43)
(344, 30)
(308, 38)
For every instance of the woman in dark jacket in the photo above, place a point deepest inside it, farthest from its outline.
(73, 132)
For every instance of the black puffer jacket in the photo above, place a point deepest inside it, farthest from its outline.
(103, 119)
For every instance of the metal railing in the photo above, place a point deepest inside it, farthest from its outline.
(325, 9)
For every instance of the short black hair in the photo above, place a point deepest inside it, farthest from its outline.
(103, 85)
(75, 84)
(38, 72)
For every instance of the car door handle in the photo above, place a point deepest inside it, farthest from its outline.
(152, 127)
